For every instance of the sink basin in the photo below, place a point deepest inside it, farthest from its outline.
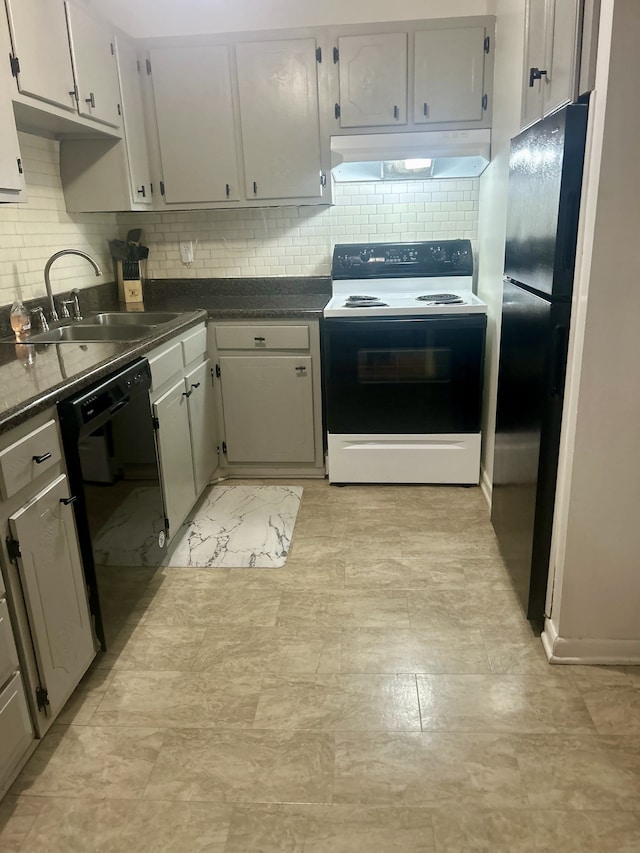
(121, 318)
(87, 333)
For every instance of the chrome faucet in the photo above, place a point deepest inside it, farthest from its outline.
(47, 282)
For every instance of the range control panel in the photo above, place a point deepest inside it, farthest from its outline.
(402, 260)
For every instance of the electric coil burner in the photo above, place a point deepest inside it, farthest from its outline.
(403, 350)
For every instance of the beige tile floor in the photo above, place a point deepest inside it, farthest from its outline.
(382, 692)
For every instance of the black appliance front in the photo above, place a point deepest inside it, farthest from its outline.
(544, 188)
(109, 440)
(419, 375)
(533, 351)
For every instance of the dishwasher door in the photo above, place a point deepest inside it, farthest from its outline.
(109, 441)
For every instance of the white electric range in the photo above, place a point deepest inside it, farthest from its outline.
(403, 350)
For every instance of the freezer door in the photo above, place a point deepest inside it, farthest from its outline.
(533, 351)
(545, 180)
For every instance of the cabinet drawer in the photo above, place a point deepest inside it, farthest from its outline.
(262, 337)
(194, 344)
(26, 459)
(16, 732)
(165, 364)
(8, 653)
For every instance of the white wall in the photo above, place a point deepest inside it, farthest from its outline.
(595, 611)
(493, 202)
(151, 18)
(274, 241)
(30, 233)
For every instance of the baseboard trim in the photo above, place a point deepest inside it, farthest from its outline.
(587, 650)
(486, 486)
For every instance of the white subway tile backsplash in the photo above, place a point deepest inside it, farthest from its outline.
(242, 242)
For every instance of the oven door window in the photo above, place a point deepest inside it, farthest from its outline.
(403, 376)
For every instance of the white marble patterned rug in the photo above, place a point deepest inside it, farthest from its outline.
(239, 526)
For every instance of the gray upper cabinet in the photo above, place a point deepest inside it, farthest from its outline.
(196, 130)
(41, 58)
(12, 183)
(372, 80)
(133, 121)
(278, 92)
(551, 63)
(94, 64)
(449, 83)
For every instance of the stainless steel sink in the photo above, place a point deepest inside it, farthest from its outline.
(86, 333)
(121, 318)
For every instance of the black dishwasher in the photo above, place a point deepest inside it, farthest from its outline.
(110, 447)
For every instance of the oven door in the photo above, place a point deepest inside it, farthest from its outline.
(403, 375)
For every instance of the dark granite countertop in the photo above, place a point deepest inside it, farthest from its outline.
(34, 377)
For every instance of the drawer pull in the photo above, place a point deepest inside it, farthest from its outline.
(42, 458)
(301, 369)
(260, 340)
(67, 501)
(187, 393)
(195, 385)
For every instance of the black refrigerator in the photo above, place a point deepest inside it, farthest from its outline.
(545, 179)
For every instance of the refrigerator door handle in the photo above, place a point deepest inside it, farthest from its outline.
(559, 350)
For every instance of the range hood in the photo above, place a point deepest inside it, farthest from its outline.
(405, 156)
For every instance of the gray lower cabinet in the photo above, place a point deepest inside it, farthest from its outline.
(269, 397)
(46, 635)
(183, 408)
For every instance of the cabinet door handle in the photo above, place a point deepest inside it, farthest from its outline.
(255, 188)
(425, 109)
(142, 191)
(535, 74)
(396, 112)
(301, 369)
(91, 100)
(227, 190)
(259, 340)
(67, 501)
(195, 385)
(187, 393)
(42, 458)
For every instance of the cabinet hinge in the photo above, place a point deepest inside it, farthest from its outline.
(318, 54)
(218, 371)
(323, 179)
(20, 169)
(485, 101)
(15, 65)
(487, 44)
(138, 65)
(148, 63)
(224, 447)
(119, 110)
(161, 187)
(166, 526)
(336, 55)
(13, 549)
(42, 698)
(156, 423)
(336, 110)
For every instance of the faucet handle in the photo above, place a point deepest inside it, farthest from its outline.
(76, 307)
(76, 304)
(65, 307)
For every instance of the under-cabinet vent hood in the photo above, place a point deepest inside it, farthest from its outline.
(405, 156)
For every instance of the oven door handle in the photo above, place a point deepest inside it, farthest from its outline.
(119, 405)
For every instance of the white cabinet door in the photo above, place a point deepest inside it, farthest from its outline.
(278, 88)
(133, 121)
(551, 64)
(174, 453)
(373, 80)
(560, 84)
(268, 408)
(94, 64)
(194, 114)
(11, 175)
(449, 75)
(54, 589)
(199, 386)
(16, 731)
(41, 49)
